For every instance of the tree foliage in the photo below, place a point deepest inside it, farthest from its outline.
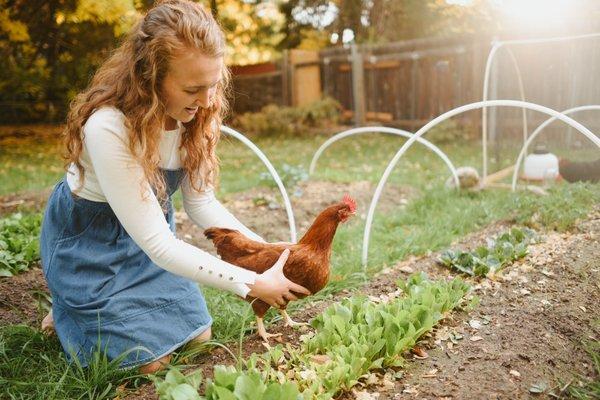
(50, 48)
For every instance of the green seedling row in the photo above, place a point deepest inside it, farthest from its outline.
(498, 254)
(350, 339)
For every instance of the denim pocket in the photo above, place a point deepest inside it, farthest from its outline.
(81, 220)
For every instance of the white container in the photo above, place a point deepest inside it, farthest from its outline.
(540, 165)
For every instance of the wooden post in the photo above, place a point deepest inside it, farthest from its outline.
(324, 65)
(285, 79)
(305, 77)
(414, 76)
(358, 85)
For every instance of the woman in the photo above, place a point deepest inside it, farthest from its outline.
(147, 125)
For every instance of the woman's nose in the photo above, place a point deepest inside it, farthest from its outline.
(203, 99)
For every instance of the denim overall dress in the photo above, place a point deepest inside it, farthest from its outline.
(107, 294)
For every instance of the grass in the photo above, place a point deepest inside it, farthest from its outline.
(34, 367)
(30, 163)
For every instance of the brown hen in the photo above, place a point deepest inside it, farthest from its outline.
(307, 264)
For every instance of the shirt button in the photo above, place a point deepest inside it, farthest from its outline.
(209, 271)
(200, 267)
(231, 278)
(220, 275)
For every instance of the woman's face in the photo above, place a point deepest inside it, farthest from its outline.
(190, 84)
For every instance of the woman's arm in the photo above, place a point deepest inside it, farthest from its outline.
(122, 179)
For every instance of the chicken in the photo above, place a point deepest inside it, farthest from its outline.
(307, 264)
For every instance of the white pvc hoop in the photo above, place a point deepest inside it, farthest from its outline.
(486, 79)
(441, 118)
(495, 47)
(539, 129)
(265, 160)
(383, 129)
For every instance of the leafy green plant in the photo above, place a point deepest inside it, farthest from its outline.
(507, 248)
(232, 383)
(351, 338)
(228, 383)
(177, 386)
(357, 335)
(19, 242)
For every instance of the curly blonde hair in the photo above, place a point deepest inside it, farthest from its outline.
(131, 79)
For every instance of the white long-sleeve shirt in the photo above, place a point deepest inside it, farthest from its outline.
(113, 175)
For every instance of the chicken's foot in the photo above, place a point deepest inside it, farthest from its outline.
(289, 321)
(262, 332)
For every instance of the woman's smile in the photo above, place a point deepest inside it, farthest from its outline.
(191, 110)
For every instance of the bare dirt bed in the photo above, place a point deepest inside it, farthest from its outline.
(528, 329)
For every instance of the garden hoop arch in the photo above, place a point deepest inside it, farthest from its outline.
(538, 130)
(441, 118)
(288, 206)
(382, 129)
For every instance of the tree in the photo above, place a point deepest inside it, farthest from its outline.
(253, 29)
(52, 47)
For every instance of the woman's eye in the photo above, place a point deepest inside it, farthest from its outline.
(191, 91)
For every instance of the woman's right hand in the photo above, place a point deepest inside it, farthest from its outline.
(273, 287)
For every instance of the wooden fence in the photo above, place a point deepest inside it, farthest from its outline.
(408, 83)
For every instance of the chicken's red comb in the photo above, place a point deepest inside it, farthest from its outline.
(349, 201)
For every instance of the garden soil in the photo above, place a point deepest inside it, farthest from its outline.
(527, 334)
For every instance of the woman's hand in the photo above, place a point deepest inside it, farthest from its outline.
(273, 287)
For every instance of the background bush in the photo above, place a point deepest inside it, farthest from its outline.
(274, 120)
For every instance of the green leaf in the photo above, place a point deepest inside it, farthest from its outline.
(195, 378)
(482, 252)
(174, 377)
(225, 376)
(246, 388)
(517, 234)
(339, 323)
(520, 250)
(273, 392)
(223, 393)
(447, 258)
(184, 392)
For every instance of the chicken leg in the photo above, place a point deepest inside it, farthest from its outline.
(262, 332)
(289, 321)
